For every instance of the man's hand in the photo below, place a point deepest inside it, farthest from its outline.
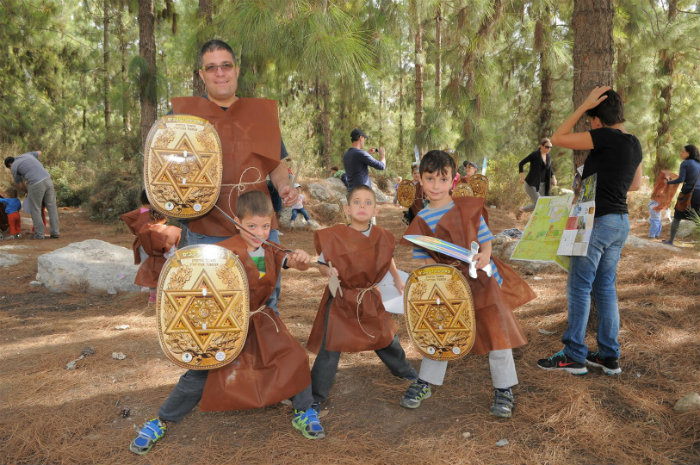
(382, 154)
(289, 196)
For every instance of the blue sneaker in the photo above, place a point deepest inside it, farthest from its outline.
(308, 424)
(150, 433)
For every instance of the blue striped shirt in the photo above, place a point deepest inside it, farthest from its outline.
(433, 215)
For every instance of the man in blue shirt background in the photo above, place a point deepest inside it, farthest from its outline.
(356, 160)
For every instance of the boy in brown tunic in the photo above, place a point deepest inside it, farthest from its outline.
(461, 221)
(273, 366)
(159, 242)
(359, 254)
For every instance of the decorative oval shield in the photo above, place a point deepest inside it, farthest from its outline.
(440, 312)
(182, 166)
(479, 184)
(406, 193)
(462, 189)
(202, 307)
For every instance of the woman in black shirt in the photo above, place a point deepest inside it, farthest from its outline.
(541, 175)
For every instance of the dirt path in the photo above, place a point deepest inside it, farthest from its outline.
(49, 415)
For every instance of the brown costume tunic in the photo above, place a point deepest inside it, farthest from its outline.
(272, 366)
(418, 202)
(250, 142)
(156, 240)
(663, 193)
(361, 262)
(496, 327)
(134, 220)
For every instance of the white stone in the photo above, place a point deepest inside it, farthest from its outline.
(93, 265)
(320, 192)
(688, 403)
(9, 259)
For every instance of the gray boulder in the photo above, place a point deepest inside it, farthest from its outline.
(687, 230)
(92, 265)
(320, 192)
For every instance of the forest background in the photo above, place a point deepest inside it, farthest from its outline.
(84, 80)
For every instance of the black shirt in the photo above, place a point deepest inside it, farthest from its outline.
(615, 158)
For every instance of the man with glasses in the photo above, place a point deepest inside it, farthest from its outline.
(540, 177)
(251, 143)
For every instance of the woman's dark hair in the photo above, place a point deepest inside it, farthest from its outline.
(438, 161)
(610, 111)
(693, 153)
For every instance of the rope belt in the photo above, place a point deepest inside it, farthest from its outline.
(260, 310)
(360, 296)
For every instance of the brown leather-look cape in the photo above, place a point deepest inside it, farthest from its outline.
(418, 202)
(361, 262)
(156, 240)
(496, 327)
(663, 193)
(134, 220)
(250, 140)
(273, 366)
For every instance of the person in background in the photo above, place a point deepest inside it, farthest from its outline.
(540, 178)
(12, 207)
(689, 198)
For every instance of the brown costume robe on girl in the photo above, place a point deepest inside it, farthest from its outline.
(156, 240)
(134, 220)
(272, 366)
(496, 327)
(361, 263)
(250, 143)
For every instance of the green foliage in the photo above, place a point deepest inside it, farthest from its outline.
(72, 182)
(114, 192)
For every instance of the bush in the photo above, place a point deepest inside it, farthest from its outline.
(114, 193)
(72, 183)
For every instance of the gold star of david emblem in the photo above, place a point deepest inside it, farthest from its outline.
(183, 173)
(203, 314)
(439, 315)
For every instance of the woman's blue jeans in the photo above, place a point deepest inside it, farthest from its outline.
(596, 272)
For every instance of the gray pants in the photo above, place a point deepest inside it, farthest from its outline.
(190, 387)
(39, 193)
(534, 195)
(326, 364)
(501, 363)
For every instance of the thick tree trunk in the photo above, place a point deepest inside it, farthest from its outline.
(147, 50)
(325, 123)
(204, 21)
(402, 145)
(125, 99)
(543, 39)
(665, 70)
(592, 23)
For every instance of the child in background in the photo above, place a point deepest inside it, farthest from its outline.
(360, 255)
(298, 207)
(273, 366)
(159, 242)
(340, 174)
(418, 202)
(12, 208)
(654, 219)
(461, 221)
(134, 220)
(396, 191)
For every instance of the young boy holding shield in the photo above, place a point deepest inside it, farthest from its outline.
(461, 221)
(272, 366)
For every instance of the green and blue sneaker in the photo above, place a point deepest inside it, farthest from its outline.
(151, 432)
(415, 394)
(308, 424)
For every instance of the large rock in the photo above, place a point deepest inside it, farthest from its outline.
(688, 403)
(92, 265)
(381, 196)
(687, 229)
(320, 192)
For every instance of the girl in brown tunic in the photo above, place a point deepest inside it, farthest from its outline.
(273, 366)
(360, 255)
(461, 221)
(134, 220)
(158, 242)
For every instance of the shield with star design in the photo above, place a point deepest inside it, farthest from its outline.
(439, 312)
(202, 307)
(182, 166)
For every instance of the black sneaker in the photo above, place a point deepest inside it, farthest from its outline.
(503, 403)
(610, 366)
(560, 361)
(416, 393)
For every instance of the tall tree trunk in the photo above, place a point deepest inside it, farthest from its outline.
(592, 22)
(125, 99)
(438, 56)
(105, 71)
(419, 60)
(665, 71)
(147, 50)
(543, 39)
(203, 22)
(325, 123)
(402, 145)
